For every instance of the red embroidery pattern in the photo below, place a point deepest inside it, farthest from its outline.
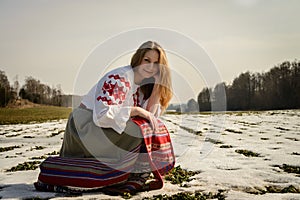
(122, 79)
(136, 100)
(113, 91)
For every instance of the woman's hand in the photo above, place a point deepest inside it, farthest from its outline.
(138, 111)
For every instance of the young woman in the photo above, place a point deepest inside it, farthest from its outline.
(116, 126)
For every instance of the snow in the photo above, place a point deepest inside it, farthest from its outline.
(197, 141)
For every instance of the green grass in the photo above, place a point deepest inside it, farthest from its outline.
(34, 114)
(31, 165)
(3, 149)
(247, 153)
(289, 168)
(178, 175)
(189, 196)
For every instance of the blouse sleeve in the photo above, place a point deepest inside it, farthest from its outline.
(111, 110)
(144, 104)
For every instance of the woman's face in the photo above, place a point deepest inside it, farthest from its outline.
(149, 65)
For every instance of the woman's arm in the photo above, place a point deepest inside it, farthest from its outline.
(153, 101)
(141, 112)
(110, 108)
(152, 108)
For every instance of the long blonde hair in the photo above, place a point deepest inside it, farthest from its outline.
(165, 82)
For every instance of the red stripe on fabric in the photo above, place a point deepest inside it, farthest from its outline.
(75, 182)
(127, 169)
(79, 165)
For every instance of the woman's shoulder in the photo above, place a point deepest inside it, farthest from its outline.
(122, 75)
(117, 80)
(124, 71)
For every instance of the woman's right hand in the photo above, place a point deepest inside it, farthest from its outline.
(138, 111)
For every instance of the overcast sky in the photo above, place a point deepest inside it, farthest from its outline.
(50, 40)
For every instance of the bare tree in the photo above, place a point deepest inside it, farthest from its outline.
(5, 89)
(192, 106)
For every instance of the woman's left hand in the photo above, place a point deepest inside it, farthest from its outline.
(138, 111)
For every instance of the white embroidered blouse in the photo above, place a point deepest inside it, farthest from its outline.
(112, 97)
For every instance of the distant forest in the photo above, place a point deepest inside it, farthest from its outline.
(278, 88)
(33, 90)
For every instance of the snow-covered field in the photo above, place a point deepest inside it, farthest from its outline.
(211, 144)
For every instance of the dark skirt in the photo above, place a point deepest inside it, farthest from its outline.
(83, 139)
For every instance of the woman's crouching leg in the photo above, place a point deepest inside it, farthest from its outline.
(130, 139)
(72, 145)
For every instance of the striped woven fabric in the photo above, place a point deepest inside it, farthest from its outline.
(85, 172)
(158, 145)
(93, 173)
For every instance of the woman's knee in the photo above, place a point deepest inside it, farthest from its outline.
(133, 129)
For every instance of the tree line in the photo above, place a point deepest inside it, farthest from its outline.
(33, 90)
(279, 88)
